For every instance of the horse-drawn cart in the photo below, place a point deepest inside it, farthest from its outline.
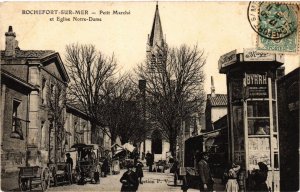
(33, 175)
(87, 164)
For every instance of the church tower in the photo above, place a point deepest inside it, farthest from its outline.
(156, 44)
(155, 142)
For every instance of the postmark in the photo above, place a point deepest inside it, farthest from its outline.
(272, 20)
(276, 25)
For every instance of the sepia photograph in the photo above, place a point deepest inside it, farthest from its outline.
(150, 96)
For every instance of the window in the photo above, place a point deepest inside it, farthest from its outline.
(51, 88)
(258, 118)
(44, 91)
(152, 63)
(43, 132)
(16, 121)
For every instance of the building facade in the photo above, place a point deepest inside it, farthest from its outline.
(14, 121)
(77, 126)
(44, 72)
(288, 118)
(216, 108)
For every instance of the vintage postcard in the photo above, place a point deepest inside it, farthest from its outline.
(150, 96)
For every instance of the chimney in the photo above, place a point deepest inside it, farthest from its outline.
(10, 43)
(213, 94)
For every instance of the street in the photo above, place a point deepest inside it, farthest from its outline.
(152, 181)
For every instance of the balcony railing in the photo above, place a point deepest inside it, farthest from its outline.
(17, 130)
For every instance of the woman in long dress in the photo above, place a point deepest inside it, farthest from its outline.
(232, 184)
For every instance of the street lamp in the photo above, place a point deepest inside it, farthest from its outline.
(50, 118)
(142, 87)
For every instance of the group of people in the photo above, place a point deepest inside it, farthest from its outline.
(235, 177)
(257, 178)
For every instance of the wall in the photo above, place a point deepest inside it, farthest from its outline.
(217, 113)
(288, 119)
(13, 149)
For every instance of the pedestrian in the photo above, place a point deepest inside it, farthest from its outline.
(139, 171)
(206, 180)
(232, 184)
(69, 167)
(69, 161)
(260, 176)
(129, 180)
(105, 166)
(149, 160)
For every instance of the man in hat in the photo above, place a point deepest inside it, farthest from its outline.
(206, 180)
(129, 179)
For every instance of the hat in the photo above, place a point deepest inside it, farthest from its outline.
(262, 166)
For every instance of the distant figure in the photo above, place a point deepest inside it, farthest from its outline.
(139, 170)
(69, 162)
(149, 160)
(260, 176)
(105, 166)
(206, 180)
(232, 184)
(129, 180)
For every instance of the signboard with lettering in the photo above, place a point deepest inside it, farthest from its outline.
(257, 55)
(227, 59)
(256, 85)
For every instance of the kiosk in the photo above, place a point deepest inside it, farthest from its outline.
(252, 111)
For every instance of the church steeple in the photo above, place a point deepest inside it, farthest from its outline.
(156, 37)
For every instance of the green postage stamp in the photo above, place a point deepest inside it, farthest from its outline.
(276, 25)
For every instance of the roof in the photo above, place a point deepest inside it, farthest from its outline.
(76, 107)
(16, 79)
(218, 100)
(43, 55)
(156, 36)
(30, 53)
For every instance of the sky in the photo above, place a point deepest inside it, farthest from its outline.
(216, 27)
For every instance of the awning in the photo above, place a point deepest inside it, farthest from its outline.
(128, 147)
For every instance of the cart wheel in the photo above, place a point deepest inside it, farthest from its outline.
(23, 184)
(45, 179)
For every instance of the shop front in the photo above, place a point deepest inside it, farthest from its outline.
(252, 110)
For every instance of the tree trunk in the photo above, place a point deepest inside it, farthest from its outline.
(173, 143)
(94, 133)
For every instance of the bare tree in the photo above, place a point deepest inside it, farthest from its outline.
(89, 71)
(174, 88)
(123, 115)
(56, 104)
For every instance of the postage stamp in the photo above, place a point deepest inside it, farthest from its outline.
(276, 25)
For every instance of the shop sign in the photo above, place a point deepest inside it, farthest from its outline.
(256, 79)
(227, 59)
(257, 55)
(256, 85)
